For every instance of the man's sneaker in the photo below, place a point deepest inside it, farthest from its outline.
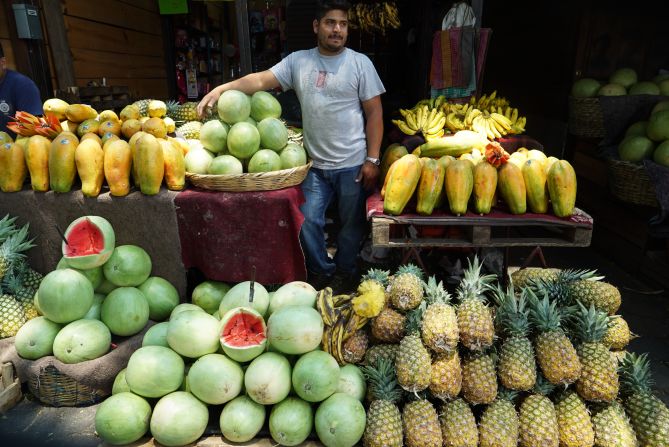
(344, 283)
(319, 281)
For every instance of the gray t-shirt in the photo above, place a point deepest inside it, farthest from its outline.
(330, 90)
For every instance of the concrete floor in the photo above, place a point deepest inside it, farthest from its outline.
(645, 307)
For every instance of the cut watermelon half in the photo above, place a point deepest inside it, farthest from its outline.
(243, 334)
(89, 242)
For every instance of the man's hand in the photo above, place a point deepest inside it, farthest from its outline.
(209, 101)
(369, 175)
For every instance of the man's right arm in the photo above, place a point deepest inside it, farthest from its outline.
(249, 84)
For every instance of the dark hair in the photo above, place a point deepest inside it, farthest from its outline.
(325, 6)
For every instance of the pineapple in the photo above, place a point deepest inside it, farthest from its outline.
(388, 326)
(187, 112)
(446, 376)
(156, 109)
(517, 368)
(537, 418)
(190, 130)
(556, 355)
(440, 324)
(13, 282)
(618, 334)
(12, 248)
(32, 279)
(421, 425)
(499, 422)
(479, 379)
(384, 421)
(370, 300)
(612, 427)
(604, 296)
(413, 363)
(523, 276)
(475, 320)
(406, 288)
(573, 419)
(618, 356)
(12, 316)
(384, 351)
(7, 227)
(378, 275)
(143, 106)
(458, 425)
(649, 415)
(354, 348)
(599, 376)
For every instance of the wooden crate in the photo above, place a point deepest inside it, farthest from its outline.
(10, 388)
(100, 98)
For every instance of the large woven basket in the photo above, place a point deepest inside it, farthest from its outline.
(630, 183)
(585, 117)
(260, 181)
(54, 388)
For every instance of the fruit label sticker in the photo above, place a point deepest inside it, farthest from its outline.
(64, 141)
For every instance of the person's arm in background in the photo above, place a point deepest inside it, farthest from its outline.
(249, 84)
(28, 98)
(369, 173)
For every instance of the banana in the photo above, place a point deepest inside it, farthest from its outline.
(325, 306)
(503, 121)
(410, 119)
(439, 125)
(419, 116)
(432, 136)
(435, 120)
(492, 128)
(514, 115)
(507, 112)
(439, 101)
(404, 112)
(428, 120)
(404, 127)
(451, 122)
(471, 114)
(499, 127)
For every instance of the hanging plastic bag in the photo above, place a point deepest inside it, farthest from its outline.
(460, 15)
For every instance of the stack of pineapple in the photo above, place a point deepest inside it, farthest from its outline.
(538, 363)
(18, 282)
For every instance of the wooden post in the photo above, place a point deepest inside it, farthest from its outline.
(244, 36)
(60, 46)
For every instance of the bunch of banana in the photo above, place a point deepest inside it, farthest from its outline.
(493, 125)
(373, 17)
(340, 322)
(428, 121)
(517, 122)
(437, 102)
(486, 101)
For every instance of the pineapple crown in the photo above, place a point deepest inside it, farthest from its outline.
(382, 381)
(558, 288)
(542, 386)
(16, 243)
(378, 275)
(435, 293)
(544, 313)
(635, 375)
(414, 319)
(504, 393)
(588, 325)
(512, 313)
(13, 279)
(7, 227)
(474, 285)
(411, 269)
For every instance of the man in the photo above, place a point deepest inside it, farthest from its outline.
(17, 92)
(339, 92)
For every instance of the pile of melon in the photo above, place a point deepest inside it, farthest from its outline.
(249, 137)
(98, 290)
(623, 81)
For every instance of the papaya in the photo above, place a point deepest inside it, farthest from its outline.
(56, 106)
(23, 143)
(535, 185)
(133, 145)
(89, 125)
(562, 188)
(130, 111)
(13, 169)
(511, 187)
(459, 183)
(485, 184)
(108, 138)
(113, 126)
(392, 153)
(91, 136)
(79, 113)
(548, 163)
(117, 166)
(62, 167)
(150, 164)
(108, 115)
(69, 126)
(89, 159)
(462, 142)
(37, 160)
(175, 165)
(445, 160)
(401, 184)
(430, 186)
(5, 138)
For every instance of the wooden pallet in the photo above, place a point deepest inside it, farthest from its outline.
(10, 388)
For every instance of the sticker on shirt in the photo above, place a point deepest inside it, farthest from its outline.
(321, 79)
(4, 107)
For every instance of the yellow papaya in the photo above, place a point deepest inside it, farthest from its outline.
(385, 181)
(535, 185)
(79, 113)
(62, 167)
(511, 187)
(150, 164)
(430, 186)
(92, 136)
(88, 126)
(89, 159)
(117, 166)
(462, 142)
(402, 181)
(23, 143)
(37, 160)
(13, 168)
(562, 188)
(175, 165)
(133, 147)
(459, 183)
(548, 163)
(485, 184)
(392, 153)
(56, 106)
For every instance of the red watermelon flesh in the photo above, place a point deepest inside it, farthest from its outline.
(243, 329)
(84, 239)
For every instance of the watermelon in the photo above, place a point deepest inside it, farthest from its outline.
(120, 385)
(198, 160)
(214, 136)
(243, 334)
(292, 156)
(265, 160)
(208, 295)
(156, 335)
(225, 164)
(125, 311)
(128, 266)
(234, 106)
(178, 419)
(264, 105)
(65, 295)
(35, 338)
(624, 76)
(89, 242)
(122, 418)
(82, 340)
(94, 274)
(585, 88)
(215, 379)
(241, 419)
(644, 88)
(273, 134)
(243, 140)
(193, 333)
(161, 295)
(154, 371)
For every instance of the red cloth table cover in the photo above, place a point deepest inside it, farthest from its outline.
(225, 234)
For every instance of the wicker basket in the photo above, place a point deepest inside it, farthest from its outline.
(585, 117)
(54, 388)
(630, 183)
(260, 181)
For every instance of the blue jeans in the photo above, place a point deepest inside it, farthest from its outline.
(320, 187)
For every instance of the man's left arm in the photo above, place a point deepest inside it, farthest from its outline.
(369, 173)
(28, 98)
